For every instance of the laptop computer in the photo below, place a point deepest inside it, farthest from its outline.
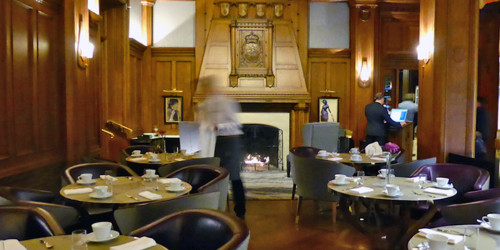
(399, 115)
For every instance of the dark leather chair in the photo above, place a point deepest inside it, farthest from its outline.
(302, 151)
(143, 148)
(485, 164)
(71, 174)
(197, 229)
(24, 223)
(131, 218)
(406, 169)
(468, 213)
(66, 216)
(312, 175)
(169, 168)
(464, 178)
(480, 195)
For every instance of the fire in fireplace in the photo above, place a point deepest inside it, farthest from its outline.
(262, 147)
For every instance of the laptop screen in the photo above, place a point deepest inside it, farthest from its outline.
(398, 115)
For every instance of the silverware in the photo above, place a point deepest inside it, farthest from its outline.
(47, 245)
(132, 197)
(452, 232)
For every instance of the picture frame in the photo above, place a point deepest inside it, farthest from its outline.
(328, 109)
(173, 109)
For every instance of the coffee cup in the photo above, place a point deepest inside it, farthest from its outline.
(392, 189)
(176, 184)
(441, 181)
(136, 152)
(85, 178)
(340, 178)
(102, 230)
(356, 157)
(354, 151)
(437, 241)
(149, 172)
(322, 153)
(493, 220)
(101, 190)
(383, 172)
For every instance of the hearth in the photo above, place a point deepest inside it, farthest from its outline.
(262, 147)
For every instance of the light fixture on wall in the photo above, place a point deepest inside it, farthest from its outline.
(364, 74)
(84, 48)
(424, 51)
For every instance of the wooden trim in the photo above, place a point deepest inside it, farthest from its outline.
(329, 53)
(158, 52)
(136, 47)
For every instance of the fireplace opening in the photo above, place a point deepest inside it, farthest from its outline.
(262, 147)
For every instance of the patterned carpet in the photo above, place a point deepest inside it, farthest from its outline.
(267, 185)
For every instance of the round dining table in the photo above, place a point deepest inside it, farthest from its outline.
(139, 163)
(475, 237)
(64, 242)
(346, 158)
(125, 191)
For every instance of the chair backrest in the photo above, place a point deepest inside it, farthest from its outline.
(197, 229)
(312, 176)
(479, 195)
(322, 135)
(468, 213)
(189, 136)
(143, 148)
(26, 194)
(406, 169)
(485, 164)
(96, 169)
(169, 168)
(200, 176)
(131, 218)
(305, 151)
(464, 178)
(24, 223)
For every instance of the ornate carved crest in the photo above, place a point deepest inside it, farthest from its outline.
(260, 9)
(224, 8)
(251, 50)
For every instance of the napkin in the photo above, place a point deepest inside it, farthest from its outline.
(335, 159)
(103, 177)
(138, 159)
(361, 190)
(150, 195)
(78, 191)
(11, 244)
(169, 180)
(139, 244)
(447, 192)
(378, 159)
(373, 148)
(414, 179)
(352, 179)
(452, 239)
(179, 159)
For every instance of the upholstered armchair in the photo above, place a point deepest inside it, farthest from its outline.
(322, 135)
(24, 223)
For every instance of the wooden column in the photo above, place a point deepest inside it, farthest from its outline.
(147, 20)
(363, 16)
(448, 79)
(300, 116)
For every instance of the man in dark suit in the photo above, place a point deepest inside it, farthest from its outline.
(378, 120)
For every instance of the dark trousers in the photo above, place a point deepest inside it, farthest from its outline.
(380, 139)
(228, 149)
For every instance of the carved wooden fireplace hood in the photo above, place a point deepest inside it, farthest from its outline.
(254, 61)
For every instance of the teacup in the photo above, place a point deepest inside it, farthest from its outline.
(392, 189)
(176, 184)
(136, 152)
(85, 178)
(322, 153)
(441, 181)
(354, 151)
(437, 241)
(154, 157)
(102, 230)
(101, 190)
(493, 220)
(340, 178)
(383, 172)
(356, 157)
(149, 172)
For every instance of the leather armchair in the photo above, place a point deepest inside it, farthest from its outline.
(143, 148)
(406, 169)
(71, 174)
(197, 229)
(169, 168)
(26, 194)
(323, 135)
(303, 151)
(468, 213)
(24, 223)
(482, 195)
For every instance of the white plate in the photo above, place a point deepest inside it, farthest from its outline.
(449, 186)
(171, 189)
(340, 183)
(113, 235)
(154, 161)
(85, 183)
(489, 228)
(153, 134)
(383, 176)
(355, 160)
(94, 195)
(399, 194)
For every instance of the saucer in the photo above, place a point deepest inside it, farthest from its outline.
(384, 192)
(136, 156)
(155, 161)
(360, 159)
(340, 183)
(150, 177)
(322, 156)
(172, 189)
(383, 176)
(113, 235)
(448, 186)
(488, 227)
(95, 196)
(91, 182)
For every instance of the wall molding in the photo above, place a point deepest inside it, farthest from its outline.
(177, 51)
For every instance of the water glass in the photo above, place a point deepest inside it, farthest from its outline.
(79, 239)
(108, 178)
(360, 175)
(422, 179)
(471, 236)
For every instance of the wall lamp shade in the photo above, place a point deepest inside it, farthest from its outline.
(84, 48)
(364, 74)
(424, 52)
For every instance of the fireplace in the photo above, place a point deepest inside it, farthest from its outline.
(262, 147)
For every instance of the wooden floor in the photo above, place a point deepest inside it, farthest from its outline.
(272, 226)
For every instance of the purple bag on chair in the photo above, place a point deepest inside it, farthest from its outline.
(393, 148)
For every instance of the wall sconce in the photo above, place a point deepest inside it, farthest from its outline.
(424, 51)
(364, 74)
(84, 48)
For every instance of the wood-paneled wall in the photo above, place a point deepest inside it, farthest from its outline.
(32, 100)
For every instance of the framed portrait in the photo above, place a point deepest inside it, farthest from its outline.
(173, 109)
(328, 108)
